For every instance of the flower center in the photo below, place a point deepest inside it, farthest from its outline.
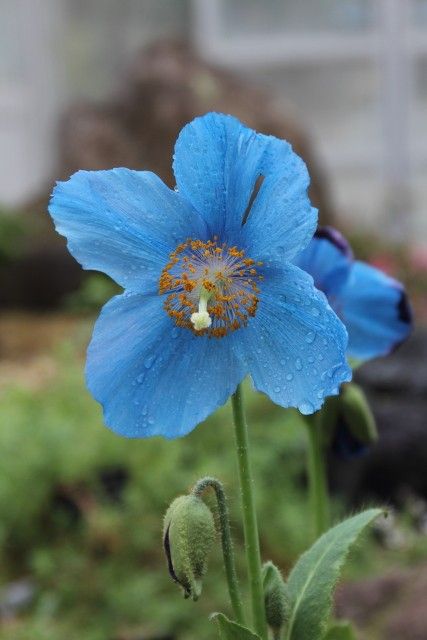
(212, 289)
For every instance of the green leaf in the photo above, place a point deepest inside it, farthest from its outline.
(340, 631)
(229, 630)
(313, 579)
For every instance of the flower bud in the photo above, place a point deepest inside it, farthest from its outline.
(276, 598)
(188, 535)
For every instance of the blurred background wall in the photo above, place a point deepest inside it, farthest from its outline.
(352, 72)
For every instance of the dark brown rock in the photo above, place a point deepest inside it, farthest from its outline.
(363, 601)
(396, 388)
(393, 605)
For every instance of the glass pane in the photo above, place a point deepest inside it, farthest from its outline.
(419, 111)
(420, 12)
(336, 104)
(11, 61)
(247, 17)
(418, 139)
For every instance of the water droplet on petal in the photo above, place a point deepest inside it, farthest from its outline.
(306, 407)
(310, 337)
(289, 377)
(298, 364)
(149, 361)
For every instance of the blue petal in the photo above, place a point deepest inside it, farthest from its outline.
(218, 164)
(281, 221)
(295, 345)
(328, 259)
(153, 378)
(122, 222)
(376, 312)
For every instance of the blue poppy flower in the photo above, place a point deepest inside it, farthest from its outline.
(374, 307)
(211, 294)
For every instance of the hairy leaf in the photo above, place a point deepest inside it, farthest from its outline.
(313, 579)
(229, 630)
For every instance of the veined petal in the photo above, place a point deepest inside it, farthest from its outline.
(218, 166)
(295, 345)
(281, 221)
(122, 222)
(328, 259)
(153, 378)
(376, 312)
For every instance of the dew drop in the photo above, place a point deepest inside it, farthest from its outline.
(149, 361)
(276, 389)
(289, 377)
(306, 408)
(315, 311)
(298, 364)
(310, 337)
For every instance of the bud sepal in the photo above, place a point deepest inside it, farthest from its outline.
(188, 536)
(276, 598)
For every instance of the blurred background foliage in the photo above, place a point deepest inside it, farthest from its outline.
(81, 509)
(95, 84)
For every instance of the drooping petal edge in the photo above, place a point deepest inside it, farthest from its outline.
(376, 311)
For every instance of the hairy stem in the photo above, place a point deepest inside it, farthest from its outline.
(317, 478)
(226, 542)
(250, 526)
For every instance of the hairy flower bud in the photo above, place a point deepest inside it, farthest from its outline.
(188, 535)
(276, 598)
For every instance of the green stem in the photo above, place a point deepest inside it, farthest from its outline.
(250, 526)
(226, 542)
(317, 479)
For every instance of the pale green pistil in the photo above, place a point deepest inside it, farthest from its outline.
(201, 318)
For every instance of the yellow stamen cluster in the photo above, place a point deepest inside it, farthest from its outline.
(211, 288)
